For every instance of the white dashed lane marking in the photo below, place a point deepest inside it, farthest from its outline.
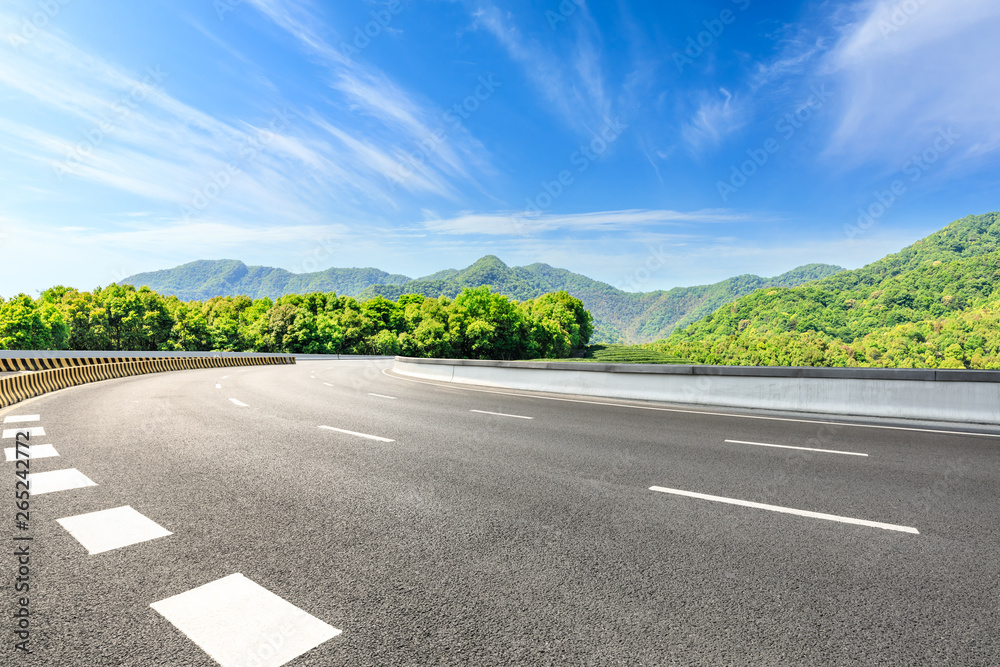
(787, 510)
(15, 419)
(360, 435)
(33, 452)
(500, 414)
(382, 396)
(239, 403)
(57, 480)
(808, 449)
(239, 622)
(218, 386)
(328, 384)
(31, 431)
(112, 529)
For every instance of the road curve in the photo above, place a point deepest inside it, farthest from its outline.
(433, 524)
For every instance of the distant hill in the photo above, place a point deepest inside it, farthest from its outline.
(618, 316)
(204, 279)
(932, 304)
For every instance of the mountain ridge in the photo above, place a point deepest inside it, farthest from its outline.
(619, 316)
(930, 305)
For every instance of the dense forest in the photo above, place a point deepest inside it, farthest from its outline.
(935, 304)
(619, 316)
(476, 324)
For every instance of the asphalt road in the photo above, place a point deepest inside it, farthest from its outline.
(493, 539)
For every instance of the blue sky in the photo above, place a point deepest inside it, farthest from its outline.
(646, 144)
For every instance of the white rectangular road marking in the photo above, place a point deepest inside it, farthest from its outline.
(808, 449)
(112, 529)
(500, 414)
(360, 435)
(239, 403)
(238, 622)
(57, 480)
(788, 510)
(382, 396)
(32, 431)
(33, 452)
(14, 419)
(328, 384)
(218, 386)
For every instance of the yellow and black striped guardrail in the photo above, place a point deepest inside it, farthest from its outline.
(48, 363)
(52, 374)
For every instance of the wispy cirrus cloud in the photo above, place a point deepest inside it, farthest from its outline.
(123, 130)
(568, 74)
(908, 69)
(407, 124)
(714, 120)
(635, 220)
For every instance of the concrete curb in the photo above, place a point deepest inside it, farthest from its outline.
(69, 371)
(923, 394)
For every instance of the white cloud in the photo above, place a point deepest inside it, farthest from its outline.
(521, 224)
(572, 81)
(905, 69)
(714, 120)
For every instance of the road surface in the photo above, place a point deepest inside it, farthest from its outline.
(337, 515)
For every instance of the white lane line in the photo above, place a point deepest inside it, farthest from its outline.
(112, 529)
(808, 449)
(382, 396)
(57, 480)
(218, 386)
(14, 419)
(788, 510)
(32, 452)
(239, 403)
(360, 435)
(239, 622)
(32, 431)
(500, 414)
(224, 377)
(451, 385)
(328, 384)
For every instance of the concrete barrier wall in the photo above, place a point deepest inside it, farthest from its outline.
(69, 371)
(954, 396)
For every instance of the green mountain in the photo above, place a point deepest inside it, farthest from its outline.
(618, 316)
(932, 304)
(205, 279)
